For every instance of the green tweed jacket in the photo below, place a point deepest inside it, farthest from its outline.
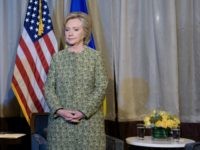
(76, 81)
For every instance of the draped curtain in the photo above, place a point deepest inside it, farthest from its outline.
(150, 47)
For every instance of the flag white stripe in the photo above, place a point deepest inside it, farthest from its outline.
(53, 40)
(31, 76)
(45, 50)
(24, 89)
(34, 54)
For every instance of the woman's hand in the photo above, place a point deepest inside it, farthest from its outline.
(70, 115)
(78, 115)
(66, 114)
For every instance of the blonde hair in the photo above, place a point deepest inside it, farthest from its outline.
(86, 23)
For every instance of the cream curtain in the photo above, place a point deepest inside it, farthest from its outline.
(150, 47)
(145, 57)
(154, 44)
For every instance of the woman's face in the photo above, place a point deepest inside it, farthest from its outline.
(74, 33)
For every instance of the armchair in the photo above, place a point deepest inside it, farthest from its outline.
(39, 131)
(192, 146)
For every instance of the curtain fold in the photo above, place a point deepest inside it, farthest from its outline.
(188, 29)
(12, 14)
(150, 47)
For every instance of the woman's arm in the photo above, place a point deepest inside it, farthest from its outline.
(94, 99)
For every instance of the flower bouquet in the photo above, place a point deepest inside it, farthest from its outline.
(161, 123)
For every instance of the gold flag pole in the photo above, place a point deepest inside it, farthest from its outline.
(41, 25)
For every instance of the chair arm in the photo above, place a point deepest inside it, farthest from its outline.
(38, 142)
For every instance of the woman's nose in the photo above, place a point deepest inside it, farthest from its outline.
(70, 33)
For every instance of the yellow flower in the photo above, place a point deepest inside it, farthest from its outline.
(161, 119)
(147, 121)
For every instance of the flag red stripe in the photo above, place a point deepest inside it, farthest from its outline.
(28, 84)
(49, 44)
(32, 63)
(21, 95)
(41, 56)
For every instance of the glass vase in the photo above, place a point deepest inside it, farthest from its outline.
(160, 133)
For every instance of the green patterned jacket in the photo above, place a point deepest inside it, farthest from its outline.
(76, 81)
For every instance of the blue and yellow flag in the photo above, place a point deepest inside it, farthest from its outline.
(81, 6)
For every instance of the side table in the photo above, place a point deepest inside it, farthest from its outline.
(152, 143)
(10, 138)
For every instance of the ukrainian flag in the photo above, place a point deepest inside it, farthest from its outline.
(81, 6)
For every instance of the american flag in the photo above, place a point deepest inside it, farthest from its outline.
(36, 46)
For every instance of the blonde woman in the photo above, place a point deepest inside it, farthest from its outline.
(74, 90)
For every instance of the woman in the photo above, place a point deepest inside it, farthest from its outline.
(74, 90)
